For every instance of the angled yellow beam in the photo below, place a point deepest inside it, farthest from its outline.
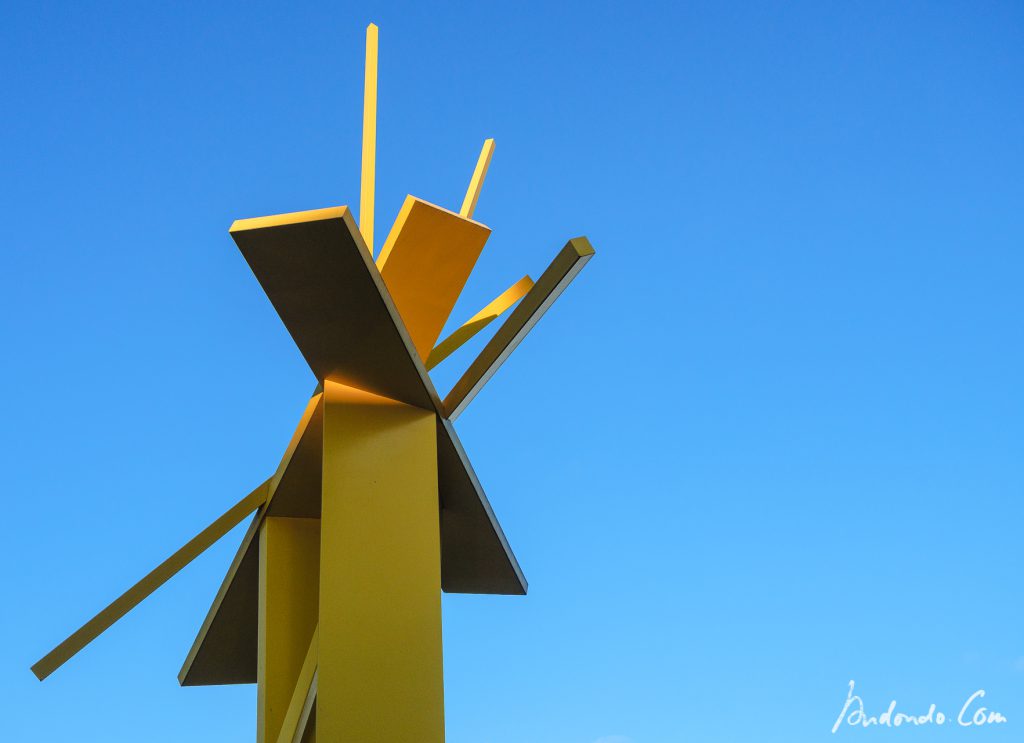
(425, 263)
(563, 269)
(305, 731)
(300, 705)
(156, 578)
(476, 183)
(479, 321)
(369, 168)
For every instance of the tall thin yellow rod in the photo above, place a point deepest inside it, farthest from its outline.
(369, 169)
(476, 184)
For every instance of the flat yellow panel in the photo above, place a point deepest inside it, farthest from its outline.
(476, 184)
(369, 169)
(289, 580)
(556, 277)
(479, 321)
(156, 578)
(425, 263)
(380, 677)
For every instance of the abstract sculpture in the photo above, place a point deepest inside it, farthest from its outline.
(332, 603)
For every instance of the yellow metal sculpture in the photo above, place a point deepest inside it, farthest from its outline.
(332, 603)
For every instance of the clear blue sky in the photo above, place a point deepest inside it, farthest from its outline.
(770, 441)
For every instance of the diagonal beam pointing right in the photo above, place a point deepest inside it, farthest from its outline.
(563, 269)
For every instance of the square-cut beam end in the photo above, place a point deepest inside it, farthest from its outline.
(582, 246)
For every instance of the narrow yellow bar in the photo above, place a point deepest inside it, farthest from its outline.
(156, 578)
(556, 277)
(369, 168)
(290, 728)
(479, 321)
(476, 183)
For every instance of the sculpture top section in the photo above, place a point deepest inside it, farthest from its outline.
(371, 325)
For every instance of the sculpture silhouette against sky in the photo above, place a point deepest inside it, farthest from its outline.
(332, 603)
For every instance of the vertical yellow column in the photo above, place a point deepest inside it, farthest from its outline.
(380, 675)
(289, 582)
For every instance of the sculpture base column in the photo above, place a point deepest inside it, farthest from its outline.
(380, 676)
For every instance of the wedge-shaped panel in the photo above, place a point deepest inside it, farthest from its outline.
(475, 556)
(425, 262)
(297, 491)
(318, 274)
(224, 651)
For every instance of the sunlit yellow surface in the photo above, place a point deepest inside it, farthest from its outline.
(277, 220)
(425, 263)
(479, 321)
(380, 675)
(369, 169)
(476, 183)
(289, 581)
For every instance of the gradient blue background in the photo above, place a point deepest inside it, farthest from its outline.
(769, 442)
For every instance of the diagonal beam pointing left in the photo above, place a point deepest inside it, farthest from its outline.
(156, 578)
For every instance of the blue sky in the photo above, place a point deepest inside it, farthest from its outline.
(769, 442)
